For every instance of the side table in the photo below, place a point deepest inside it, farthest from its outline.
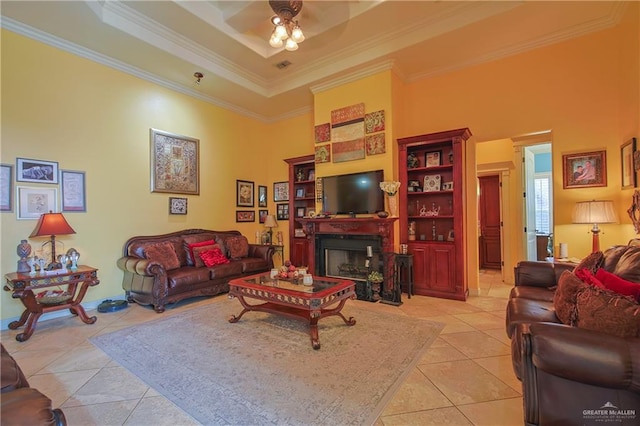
(22, 285)
(404, 272)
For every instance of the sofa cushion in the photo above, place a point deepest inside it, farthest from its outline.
(230, 269)
(534, 293)
(237, 247)
(618, 284)
(187, 275)
(607, 312)
(564, 299)
(197, 259)
(163, 253)
(526, 311)
(627, 266)
(189, 246)
(592, 262)
(213, 257)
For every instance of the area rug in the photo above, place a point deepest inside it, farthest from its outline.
(262, 370)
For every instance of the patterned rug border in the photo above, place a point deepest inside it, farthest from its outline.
(129, 345)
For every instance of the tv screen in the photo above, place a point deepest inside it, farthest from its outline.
(356, 193)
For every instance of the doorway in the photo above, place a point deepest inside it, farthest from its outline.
(490, 247)
(538, 200)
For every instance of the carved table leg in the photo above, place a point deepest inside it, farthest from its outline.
(23, 318)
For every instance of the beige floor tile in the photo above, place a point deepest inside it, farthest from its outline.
(476, 344)
(484, 413)
(106, 414)
(59, 387)
(499, 334)
(481, 320)
(83, 357)
(416, 393)
(31, 362)
(502, 368)
(109, 385)
(465, 382)
(441, 353)
(439, 417)
(451, 324)
(157, 411)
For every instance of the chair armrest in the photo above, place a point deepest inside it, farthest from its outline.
(583, 356)
(539, 274)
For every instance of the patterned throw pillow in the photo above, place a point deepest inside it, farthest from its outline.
(197, 260)
(593, 262)
(213, 257)
(238, 247)
(163, 253)
(189, 250)
(607, 312)
(564, 298)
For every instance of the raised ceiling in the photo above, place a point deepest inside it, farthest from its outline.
(167, 41)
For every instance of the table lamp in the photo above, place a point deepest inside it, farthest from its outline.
(49, 225)
(270, 223)
(594, 212)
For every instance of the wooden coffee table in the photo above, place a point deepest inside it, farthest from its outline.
(297, 301)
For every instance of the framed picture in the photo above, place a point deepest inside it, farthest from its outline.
(300, 193)
(262, 196)
(584, 170)
(282, 212)
(244, 193)
(450, 235)
(432, 159)
(431, 183)
(626, 157)
(33, 202)
(177, 205)
(300, 212)
(245, 216)
(175, 163)
(447, 186)
(262, 215)
(6, 188)
(73, 191)
(312, 175)
(281, 191)
(38, 171)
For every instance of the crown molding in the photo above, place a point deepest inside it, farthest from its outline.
(351, 77)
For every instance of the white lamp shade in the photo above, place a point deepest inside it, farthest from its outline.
(594, 212)
(297, 35)
(291, 45)
(270, 221)
(274, 41)
(281, 32)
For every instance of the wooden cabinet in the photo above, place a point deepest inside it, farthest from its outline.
(302, 201)
(432, 213)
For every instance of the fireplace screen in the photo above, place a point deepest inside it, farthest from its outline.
(349, 264)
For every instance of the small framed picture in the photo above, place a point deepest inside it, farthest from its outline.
(262, 215)
(300, 193)
(280, 191)
(6, 188)
(73, 191)
(432, 159)
(447, 186)
(431, 183)
(626, 157)
(300, 212)
(450, 235)
(262, 196)
(282, 212)
(244, 193)
(245, 216)
(33, 202)
(312, 175)
(36, 171)
(177, 205)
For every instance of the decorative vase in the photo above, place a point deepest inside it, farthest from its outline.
(23, 250)
(392, 201)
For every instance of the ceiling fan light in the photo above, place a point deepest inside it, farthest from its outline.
(291, 45)
(275, 41)
(281, 31)
(297, 34)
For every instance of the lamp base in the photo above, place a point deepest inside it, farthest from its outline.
(595, 244)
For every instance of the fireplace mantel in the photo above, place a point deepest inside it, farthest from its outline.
(379, 227)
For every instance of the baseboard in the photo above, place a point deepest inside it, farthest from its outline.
(4, 324)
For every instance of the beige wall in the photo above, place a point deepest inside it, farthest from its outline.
(59, 107)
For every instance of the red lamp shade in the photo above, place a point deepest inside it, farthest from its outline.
(52, 224)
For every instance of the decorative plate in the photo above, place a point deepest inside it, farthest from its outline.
(431, 183)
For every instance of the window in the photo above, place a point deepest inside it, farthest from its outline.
(542, 186)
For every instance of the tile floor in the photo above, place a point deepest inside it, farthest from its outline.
(465, 378)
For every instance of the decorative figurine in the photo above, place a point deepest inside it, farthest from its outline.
(412, 161)
(412, 231)
(42, 264)
(300, 175)
(32, 264)
(23, 250)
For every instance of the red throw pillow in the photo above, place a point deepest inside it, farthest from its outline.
(197, 260)
(619, 285)
(191, 260)
(587, 277)
(213, 257)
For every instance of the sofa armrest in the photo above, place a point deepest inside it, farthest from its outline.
(265, 252)
(539, 274)
(583, 356)
(139, 266)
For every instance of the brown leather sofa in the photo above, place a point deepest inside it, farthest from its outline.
(572, 375)
(151, 282)
(21, 404)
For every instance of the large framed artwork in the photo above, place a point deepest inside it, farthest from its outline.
(73, 191)
(33, 202)
(174, 163)
(37, 171)
(244, 193)
(280, 191)
(584, 170)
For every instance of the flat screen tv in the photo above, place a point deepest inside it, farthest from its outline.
(355, 193)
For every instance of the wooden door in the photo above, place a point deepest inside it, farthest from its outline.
(490, 226)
